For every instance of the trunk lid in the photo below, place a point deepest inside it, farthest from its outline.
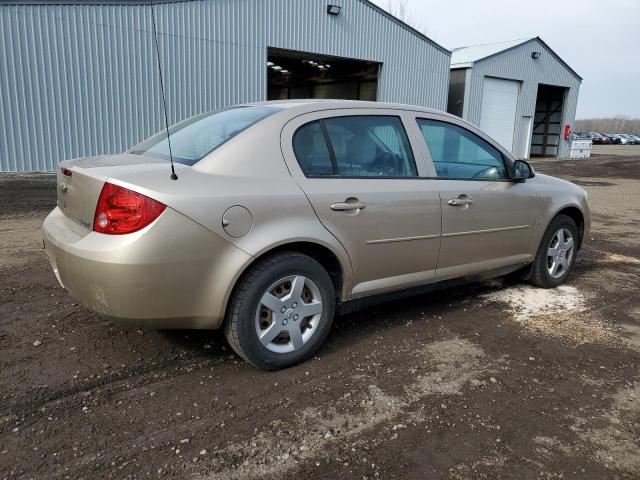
(80, 181)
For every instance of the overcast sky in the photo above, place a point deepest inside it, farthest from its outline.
(599, 39)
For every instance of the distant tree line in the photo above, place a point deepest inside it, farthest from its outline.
(619, 124)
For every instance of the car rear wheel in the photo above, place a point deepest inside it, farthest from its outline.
(281, 311)
(557, 253)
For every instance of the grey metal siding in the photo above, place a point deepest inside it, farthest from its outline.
(80, 79)
(517, 64)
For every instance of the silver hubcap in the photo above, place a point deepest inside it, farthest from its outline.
(560, 253)
(289, 313)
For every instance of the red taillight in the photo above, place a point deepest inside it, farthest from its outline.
(121, 211)
(66, 172)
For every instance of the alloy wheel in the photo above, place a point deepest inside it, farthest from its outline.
(288, 314)
(560, 253)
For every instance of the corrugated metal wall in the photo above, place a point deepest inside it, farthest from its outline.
(80, 79)
(517, 64)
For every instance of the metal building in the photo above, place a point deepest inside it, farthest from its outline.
(79, 78)
(520, 92)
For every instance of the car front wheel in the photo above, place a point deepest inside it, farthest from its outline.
(281, 311)
(557, 253)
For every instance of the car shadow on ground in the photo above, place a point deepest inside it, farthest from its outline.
(351, 329)
(203, 343)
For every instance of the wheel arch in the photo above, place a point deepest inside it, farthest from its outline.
(577, 215)
(339, 272)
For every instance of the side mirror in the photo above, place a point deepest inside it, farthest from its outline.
(522, 171)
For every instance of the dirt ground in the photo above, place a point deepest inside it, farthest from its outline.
(494, 380)
(624, 150)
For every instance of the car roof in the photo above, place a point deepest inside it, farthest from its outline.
(298, 107)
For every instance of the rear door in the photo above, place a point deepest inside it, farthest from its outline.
(361, 174)
(488, 220)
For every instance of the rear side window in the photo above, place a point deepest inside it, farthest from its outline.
(196, 137)
(311, 150)
(355, 146)
(459, 153)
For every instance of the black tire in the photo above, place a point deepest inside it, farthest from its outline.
(240, 324)
(540, 276)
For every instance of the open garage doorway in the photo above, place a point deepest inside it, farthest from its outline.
(547, 122)
(293, 74)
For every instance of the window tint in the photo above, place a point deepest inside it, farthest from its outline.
(198, 136)
(311, 150)
(370, 146)
(458, 153)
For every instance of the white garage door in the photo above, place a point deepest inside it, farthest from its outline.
(498, 113)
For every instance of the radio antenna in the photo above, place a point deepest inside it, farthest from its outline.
(164, 101)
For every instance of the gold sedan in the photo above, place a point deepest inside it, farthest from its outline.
(286, 213)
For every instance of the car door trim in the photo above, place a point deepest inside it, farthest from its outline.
(456, 234)
(401, 239)
(489, 230)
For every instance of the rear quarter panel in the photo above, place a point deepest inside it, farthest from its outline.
(248, 171)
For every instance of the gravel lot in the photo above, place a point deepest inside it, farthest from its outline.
(624, 150)
(493, 380)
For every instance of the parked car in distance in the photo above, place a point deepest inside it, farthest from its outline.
(285, 213)
(631, 140)
(615, 138)
(636, 139)
(598, 139)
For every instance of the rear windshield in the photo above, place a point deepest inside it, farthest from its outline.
(196, 137)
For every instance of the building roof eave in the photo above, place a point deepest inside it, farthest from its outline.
(524, 42)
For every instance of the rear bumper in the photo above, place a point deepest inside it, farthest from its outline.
(172, 274)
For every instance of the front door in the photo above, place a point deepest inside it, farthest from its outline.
(361, 177)
(487, 220)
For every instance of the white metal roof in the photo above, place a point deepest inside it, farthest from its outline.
(466, 56)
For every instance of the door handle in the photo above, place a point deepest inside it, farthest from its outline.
(347, 206)
(460, 201)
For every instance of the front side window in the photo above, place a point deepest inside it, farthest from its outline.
(355, 146)
(196, 137)
(459, 153)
